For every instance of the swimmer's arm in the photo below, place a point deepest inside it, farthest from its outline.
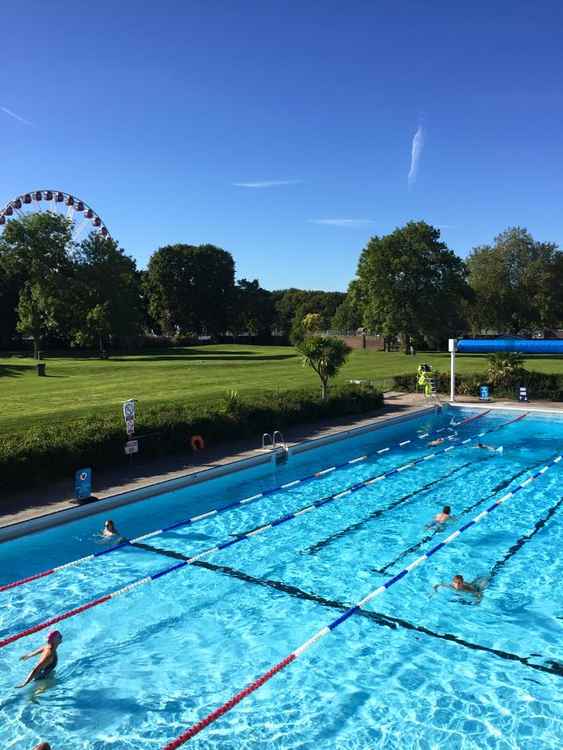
(32, 653)
(35, 671)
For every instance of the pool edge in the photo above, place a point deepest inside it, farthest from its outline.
(44, 521)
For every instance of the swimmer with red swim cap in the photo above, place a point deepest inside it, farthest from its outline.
(48, 658)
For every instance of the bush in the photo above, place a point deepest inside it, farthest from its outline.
(540, 385)
(54, 451)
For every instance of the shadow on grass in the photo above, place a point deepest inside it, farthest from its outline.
(12, 371)
(215, 356)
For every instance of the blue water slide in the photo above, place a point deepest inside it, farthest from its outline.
(525, 346)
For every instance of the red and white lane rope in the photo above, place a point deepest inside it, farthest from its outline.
(249, 689)
(244, 536)
(231, 506)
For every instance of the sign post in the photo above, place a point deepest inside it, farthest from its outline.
(129, 416)
(83, 484)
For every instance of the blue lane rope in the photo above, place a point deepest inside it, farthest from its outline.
(245, 537)
(223, 509)
(327, 629)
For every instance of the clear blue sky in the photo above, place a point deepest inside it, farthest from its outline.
(152, 112)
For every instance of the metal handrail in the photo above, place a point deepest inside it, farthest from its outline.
(281, 442)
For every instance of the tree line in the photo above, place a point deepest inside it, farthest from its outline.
(408, 285)
(57, 292)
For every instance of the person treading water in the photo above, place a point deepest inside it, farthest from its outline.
(48, 658)
(110, 529)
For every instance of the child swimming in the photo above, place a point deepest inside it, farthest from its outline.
(48, 658)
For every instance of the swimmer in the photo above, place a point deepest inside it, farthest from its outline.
(442, 517)
(437, 441)
(460, 584)
(110, 529)
(48, 658)
(489, 448)
(42, 746)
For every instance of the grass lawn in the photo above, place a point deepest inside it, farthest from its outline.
(77, 386)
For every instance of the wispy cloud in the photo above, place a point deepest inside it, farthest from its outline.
(343, 222)
(267, 183)
(15, 116)
(416, 151)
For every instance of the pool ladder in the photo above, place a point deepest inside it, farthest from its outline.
(276, 443)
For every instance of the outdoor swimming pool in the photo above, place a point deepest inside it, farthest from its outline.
(414, 669)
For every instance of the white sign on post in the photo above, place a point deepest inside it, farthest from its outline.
(131, 446)
(129, 416)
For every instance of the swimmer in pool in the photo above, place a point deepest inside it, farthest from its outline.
(460, 584)
(48, 658)
(42, 746)
(437, 441)
(489, 448)
(110, 530)
(442, 517)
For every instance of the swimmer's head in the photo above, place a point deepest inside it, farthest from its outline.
(457, 582)
(109, 526)
(42, 746)
(446, 510)
(55, 638)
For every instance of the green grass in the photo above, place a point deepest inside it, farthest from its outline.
(75, 386)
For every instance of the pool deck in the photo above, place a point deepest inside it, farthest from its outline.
(137, 474)
(18, 507)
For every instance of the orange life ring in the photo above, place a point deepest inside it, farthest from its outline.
(197, 443)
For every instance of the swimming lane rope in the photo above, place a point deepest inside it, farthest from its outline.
(249, 689)
(241, 537)
(223, 509)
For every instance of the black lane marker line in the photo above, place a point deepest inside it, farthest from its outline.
(394, 623)
(524, 539)
(383, 620)
(166, 552)
(413, 548)
(314, 548)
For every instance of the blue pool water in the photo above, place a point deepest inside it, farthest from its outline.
(419, 670)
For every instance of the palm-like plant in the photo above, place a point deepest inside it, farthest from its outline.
(505, 368)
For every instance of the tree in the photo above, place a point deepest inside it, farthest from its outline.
(410, 284)
(107, 292)
(518, 284)
(312, 323)
(35, 314)
(10, 287)
(325, 355)
(348, 316)
(505, 368)
(191, 288)
(253, 309)
(37, 249)
(293, 304)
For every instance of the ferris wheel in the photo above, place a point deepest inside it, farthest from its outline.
(78, 212)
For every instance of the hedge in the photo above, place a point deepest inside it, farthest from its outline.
(47, 452)
(540, 385)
